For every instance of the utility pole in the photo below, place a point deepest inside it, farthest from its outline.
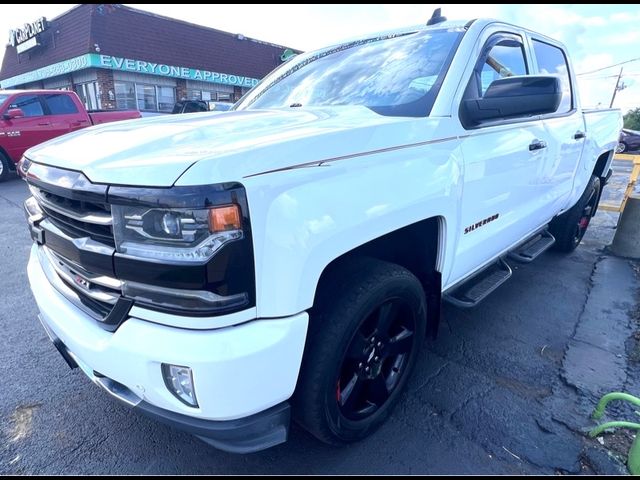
(618, 87)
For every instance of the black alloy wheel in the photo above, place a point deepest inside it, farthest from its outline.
(376, 359)
(365, 332)
(570, 227)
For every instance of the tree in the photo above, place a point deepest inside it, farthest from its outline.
(632, 119)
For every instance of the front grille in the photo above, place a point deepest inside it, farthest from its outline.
(76, 217)
(97, 309)
(72, 205)
(75, 228)
(78, 243)
(96, 295)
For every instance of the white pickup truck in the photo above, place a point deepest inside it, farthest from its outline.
(223, 272)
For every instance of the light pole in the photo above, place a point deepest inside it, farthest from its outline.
(618, 87)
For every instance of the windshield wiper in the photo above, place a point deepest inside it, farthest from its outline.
(295, 105)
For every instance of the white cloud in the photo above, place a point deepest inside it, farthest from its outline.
(592, 62)
(623, 39)
(625, 17)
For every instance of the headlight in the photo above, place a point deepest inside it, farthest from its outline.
(175, 235)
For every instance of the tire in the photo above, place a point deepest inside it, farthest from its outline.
(349, 384)
(4, 167)
(570, 227)
(622, 147)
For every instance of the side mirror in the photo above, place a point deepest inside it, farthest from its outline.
(13, 113)
(511, 97)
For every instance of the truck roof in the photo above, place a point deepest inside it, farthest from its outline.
(13, 92)
(478, 23)
(40, 91)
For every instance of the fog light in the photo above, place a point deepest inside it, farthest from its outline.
(179, 381)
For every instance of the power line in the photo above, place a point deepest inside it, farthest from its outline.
(601, 77)
(610, 66)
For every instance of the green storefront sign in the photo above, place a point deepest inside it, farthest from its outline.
(95, 60)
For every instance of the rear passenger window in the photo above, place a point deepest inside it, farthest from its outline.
(551, 61)
(29, 104)
(60, 104)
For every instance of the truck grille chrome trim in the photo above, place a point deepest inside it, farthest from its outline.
(84, 243)
(73, 288)
(87, 216)
(78, 275)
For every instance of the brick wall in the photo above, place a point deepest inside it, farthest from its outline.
(106, 89)
(181, 90)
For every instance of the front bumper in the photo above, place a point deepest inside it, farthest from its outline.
(238, 371)
(244, 435)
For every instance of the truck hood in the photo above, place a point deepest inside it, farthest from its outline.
(156, 151)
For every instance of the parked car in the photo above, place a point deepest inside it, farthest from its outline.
(30, 117)
(629, 141)
(191, 106)
(222, 273)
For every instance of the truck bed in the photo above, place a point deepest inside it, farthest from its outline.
(603, 128)
(105, 116)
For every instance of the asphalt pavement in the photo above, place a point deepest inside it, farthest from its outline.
(507, 388)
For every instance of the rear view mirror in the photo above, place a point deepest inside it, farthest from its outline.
(13, 113)
(511, 97)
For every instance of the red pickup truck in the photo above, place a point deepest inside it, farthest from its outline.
(30, 117)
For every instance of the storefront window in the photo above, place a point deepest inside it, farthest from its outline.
(146, 97)
(194, 94)
(88, 93)
(125, 95)
(205, 95)
(166, 98)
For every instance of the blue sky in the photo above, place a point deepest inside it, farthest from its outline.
(596, 35)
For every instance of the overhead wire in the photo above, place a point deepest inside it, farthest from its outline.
(609, 66)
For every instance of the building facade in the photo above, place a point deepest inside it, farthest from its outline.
(117, 57)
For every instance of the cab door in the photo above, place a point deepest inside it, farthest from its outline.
(504, 164)
(565, 127)
(24, 132)
(63, 113)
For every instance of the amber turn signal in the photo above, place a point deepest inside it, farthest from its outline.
(222, 219)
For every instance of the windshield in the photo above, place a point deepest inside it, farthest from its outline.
(398, 76)
(3, 98)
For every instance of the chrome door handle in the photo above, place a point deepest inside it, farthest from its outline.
(579, 135)
(537, 145)
(44, 124)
